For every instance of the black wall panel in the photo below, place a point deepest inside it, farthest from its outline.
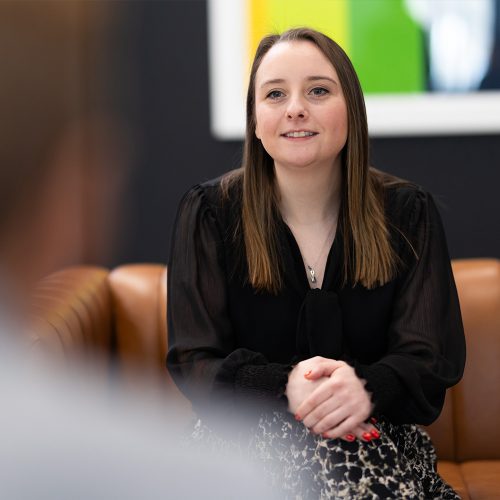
(167, 53)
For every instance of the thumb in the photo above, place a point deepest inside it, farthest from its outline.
(322, 369)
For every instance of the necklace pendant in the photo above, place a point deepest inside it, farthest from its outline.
(312, 273)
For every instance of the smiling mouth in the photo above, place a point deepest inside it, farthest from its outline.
(298, 134)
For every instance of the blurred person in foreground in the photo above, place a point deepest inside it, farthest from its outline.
(62, 436)
(316, 290)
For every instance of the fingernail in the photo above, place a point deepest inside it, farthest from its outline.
(350, 437)
(367, 436)
(373, 420)
(297, 417)
(325, 435)
(375, 433)
(307, 373)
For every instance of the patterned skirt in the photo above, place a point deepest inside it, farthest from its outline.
(302, 465)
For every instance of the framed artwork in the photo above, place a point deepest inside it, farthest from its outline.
(427, 67)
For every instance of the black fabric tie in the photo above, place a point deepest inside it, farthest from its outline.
(319, 327)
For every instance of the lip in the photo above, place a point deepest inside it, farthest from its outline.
(302, 138)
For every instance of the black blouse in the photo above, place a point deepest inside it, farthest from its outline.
(404, 338)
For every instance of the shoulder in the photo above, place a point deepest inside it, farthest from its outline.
(415, 224)
(401, 198)
(216, 201)
(215, 193)
(405, 203)
(411, 214)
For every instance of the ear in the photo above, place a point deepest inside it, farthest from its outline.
(257, 133)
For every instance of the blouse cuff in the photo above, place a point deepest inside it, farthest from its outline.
(248, 376)
(382, 383)
(268, 381)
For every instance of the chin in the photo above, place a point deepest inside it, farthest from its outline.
(299, 163)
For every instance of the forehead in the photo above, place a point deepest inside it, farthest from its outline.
(294, 60)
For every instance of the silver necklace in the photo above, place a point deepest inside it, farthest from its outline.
(311, 270)
(312, 274)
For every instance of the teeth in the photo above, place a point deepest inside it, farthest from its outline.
(299, 134)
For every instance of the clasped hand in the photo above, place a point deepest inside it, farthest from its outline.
(330, 399)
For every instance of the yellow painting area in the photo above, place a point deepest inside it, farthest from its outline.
(275, 16)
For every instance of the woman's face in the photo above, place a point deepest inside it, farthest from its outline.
(301, 114)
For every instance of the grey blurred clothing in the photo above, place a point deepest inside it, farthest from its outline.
(65, 436)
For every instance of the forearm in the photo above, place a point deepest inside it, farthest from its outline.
(242, 377)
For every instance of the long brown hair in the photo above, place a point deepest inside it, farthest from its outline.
(369, 258)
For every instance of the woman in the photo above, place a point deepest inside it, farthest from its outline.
(317, 289)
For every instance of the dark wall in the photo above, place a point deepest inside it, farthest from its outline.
(166, 44)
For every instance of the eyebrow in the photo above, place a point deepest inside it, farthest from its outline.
(313, 78)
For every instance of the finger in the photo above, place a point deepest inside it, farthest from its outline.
(328, 406)
(318, 396)
(331, 421)
(349, 437)
(371, 427)
(354, 434)
(343, 429)
(322, 369)
(366, 432)
(360, 432)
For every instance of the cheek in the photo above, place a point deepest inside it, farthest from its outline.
(336, 118)
(266, 122)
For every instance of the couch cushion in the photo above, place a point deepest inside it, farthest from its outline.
(442, 431)
(452, 474)
(482, 478)
(475, 480)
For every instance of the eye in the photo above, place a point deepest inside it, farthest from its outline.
(275, 94)
(319, 91)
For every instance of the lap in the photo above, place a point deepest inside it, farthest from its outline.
(401, 464)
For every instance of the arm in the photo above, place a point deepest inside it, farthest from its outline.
(426, 347)
(203, 359)
(426, 343)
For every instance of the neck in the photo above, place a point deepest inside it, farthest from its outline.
(309, 196)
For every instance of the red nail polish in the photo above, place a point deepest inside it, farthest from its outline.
(325, 435)
(367, 436)
(350, 437)
(375, 433)
(307, 373)
(373, 420)
(297, 417)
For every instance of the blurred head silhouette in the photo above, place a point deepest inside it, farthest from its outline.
(56, 149)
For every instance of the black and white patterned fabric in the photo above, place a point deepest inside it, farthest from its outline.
(304, 466)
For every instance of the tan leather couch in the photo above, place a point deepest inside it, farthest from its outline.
(118, 319)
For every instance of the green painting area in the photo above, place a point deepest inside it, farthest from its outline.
(386, 47)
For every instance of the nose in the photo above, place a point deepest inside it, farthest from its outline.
(296, 109)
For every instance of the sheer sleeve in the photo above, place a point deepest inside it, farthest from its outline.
(203, 359)
(426, 345)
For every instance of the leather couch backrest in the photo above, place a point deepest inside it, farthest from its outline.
(139, 305)
(467, 428)
(139, 298)
(476, 399)
(123, 314)
(73, 317)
